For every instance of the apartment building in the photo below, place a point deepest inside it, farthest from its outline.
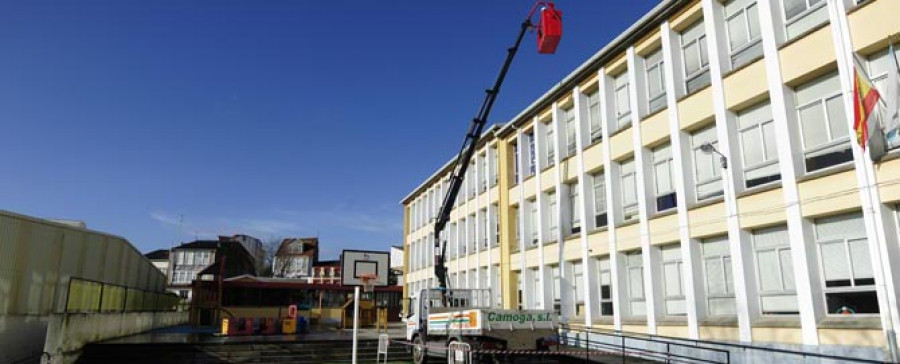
(698, 177)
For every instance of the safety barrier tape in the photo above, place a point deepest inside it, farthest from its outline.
(527, 352)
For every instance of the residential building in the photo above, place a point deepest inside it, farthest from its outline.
(188, 262)
(160, 260)
(253, 246)
(397, 263)
(790, 238)
(295, 258)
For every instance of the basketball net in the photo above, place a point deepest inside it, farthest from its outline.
(368, 281)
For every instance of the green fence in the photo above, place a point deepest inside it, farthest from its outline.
(90, 296)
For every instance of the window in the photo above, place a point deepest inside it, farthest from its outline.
(635, 271)
(535, 283)
(578, 282)
(879, 65)
(532, 222)
(742, 24)
(463, 237)
(775, 271)
(485, 228)
(622, 104)
(629, 190)
(823, 124)
(849, 283)
(515, 163)
(495, 160)
(663, 166)
(179, 258)
(718, 277)
(656, 82)
(551, 147)
(482, 178)
(600, 219)
(593, 101)
(759, 152)
(606, 303)
(554, 215)
(707, 167)
(531, 155)
(801, 16)
(571, 131)
(575, 208)
(696, 57)
(495, 222)
(473, 243)
(673, 280)
(189, 258)
(518, 227)
(557, 286)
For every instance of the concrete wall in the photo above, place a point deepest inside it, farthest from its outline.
(67, 334)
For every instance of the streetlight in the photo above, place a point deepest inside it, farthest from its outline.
(708, 148)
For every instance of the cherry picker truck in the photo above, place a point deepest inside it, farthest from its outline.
(441, 316)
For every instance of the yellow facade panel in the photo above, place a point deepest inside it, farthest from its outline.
(648, 44)
(673, 331)
(494, 195)
(655, 128)
(747, 86)
(621, 144)
(495, 256)
(872, 24)
(695, 109)
(687, 16)
(784, 335)
(529, 188)
(550, 256)
(720, 333)
(531, 258)
(572, 249)
(664, 229)
(548, 179)
(593, 157)
(514, 195)
(590, 84)
(598, 244)
(628, 237)
(802, 59)
(640, 329)
(515, 261)
(852, 337)
(708, 220)
(569, 170)
(888, 176)
(829, 194)
(762, 209)
(617, 65)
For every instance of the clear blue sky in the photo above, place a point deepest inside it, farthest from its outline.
(271, 118)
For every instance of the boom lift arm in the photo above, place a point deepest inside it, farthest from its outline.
(461, 165)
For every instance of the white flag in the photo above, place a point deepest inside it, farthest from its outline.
(892, 119)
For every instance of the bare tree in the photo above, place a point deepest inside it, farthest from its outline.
(271, 248)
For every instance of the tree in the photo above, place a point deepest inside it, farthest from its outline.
(271, 248)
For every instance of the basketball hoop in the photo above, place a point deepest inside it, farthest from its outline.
(368, 281)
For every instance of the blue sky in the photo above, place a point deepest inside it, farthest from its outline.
(270, 118)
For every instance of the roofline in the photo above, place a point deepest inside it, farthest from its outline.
(633, 33)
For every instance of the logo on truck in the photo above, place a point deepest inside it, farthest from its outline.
(519, 317)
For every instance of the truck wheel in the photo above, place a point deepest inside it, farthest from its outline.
(420, 352)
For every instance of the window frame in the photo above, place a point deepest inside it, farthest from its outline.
(550, 155)
(722, 259)
(598, 208)
(632, 207)
(629, 257)
(623, 118)
(595, 121)
(574, 208)
(810, 9)
(778, 250)
(715, 167)
(657, 66)
(669, 161)
(703, 57)
(609, 300)
(853, 287)
(832, 145)
(679, 266)
(571, 124)
(760, 133)
(752, 42)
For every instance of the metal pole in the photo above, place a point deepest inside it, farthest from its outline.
(355, 319)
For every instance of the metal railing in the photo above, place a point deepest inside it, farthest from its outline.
(634, 346)
(732, 352)
(88, 296)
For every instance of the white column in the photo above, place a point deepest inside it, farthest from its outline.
(612, 209)
(648, 253)
(564, 296)
(520, 160)
(590, 274)
(882, 249)
(543, 223)
(690, 255)
(479, 230)
(785, 125)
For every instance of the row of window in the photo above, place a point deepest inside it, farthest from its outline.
(190, 257)
(842, 261)
(425, 207)
(183, 277)
(460, 238)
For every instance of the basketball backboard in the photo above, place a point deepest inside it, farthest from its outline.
(356, 263)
